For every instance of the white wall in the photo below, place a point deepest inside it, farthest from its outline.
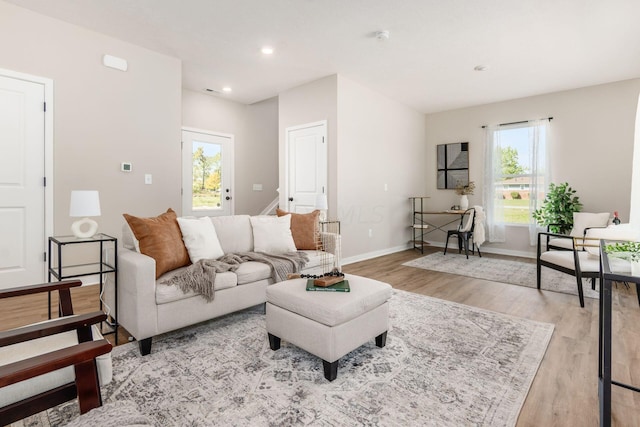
(634, 216)
(310, 103)
(592, 146)
(255, 131)
(373, 141)
(380, 143)
(102, 116)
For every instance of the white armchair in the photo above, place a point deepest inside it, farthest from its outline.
(579, 256)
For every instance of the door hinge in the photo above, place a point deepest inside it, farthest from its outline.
(181, 192)
(323, 139)
(44, 255)
(44, 106)
(44, 181)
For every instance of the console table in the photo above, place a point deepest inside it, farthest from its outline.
(101, 267)
(609, 272)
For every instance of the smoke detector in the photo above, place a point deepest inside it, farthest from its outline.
(382, 35)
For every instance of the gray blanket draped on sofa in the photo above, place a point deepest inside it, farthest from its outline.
(200, 276)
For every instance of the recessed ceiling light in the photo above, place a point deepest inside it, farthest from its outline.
(481, 68)
(267, 50)
(226, 89)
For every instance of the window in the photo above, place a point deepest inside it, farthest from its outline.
(517, 175)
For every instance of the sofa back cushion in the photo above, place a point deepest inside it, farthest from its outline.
(200, 238)
(161, 239)
(234, 233)
(272, 234)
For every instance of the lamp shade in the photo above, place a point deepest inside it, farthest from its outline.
(321, 202)
(84, 203)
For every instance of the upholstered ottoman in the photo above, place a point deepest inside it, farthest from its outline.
(328, 324)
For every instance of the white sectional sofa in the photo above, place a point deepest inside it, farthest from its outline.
(147, 307)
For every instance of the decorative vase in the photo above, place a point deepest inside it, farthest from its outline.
(464, 202)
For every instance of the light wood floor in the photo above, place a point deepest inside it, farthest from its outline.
(564, 392)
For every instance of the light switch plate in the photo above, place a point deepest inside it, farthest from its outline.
(148, 179)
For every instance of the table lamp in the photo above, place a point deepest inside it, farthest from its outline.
(84, 204)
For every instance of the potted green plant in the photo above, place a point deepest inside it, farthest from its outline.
(557, 208)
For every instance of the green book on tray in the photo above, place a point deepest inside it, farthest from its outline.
(338, 287)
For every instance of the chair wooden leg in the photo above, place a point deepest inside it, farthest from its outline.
(638, 292)
(446, 245)
(88, 386)
(478, 248)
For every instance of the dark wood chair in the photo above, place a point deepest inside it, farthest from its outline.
(22, 389)
(464, 233)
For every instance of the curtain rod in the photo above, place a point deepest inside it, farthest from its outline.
(517, 123)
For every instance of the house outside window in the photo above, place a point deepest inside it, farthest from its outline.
(516, 175)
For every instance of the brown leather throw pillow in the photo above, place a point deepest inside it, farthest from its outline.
(304, 228)
(161, 239)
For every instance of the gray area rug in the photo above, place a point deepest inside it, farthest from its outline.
(445, 364)
(502, 270)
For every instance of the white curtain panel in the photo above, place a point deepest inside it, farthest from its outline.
(540, 170)
(494, 206)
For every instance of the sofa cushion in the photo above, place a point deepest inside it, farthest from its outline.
(170, 293)
(200, 238)
(234, 233)
(272, 234)
(160, 238)
(304, 228)
(252, 271)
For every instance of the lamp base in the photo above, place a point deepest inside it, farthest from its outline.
(76, 228)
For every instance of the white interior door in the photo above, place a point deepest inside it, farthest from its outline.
(207, 173)
(22, 187)
(307, 166)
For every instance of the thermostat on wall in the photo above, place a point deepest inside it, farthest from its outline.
(125, 167)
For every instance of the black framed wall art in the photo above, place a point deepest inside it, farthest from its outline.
(453, 165)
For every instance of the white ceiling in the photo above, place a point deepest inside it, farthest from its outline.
(530, 46)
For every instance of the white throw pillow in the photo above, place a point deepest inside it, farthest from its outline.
(200, 238)
(272, 234)
(582, 220)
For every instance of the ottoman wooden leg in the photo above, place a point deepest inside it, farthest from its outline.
(330, 370)
(381, 340)
(274, 342)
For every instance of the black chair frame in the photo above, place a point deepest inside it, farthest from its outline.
(464, 236)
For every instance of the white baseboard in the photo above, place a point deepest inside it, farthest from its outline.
(489, 250)
(374, 254)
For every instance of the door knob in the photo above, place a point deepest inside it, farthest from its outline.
(228, 198)
(291, 199)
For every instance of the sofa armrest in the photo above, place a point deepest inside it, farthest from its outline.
(137, 309)
(332, 243)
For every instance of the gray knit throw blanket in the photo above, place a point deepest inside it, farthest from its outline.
(199, 277)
